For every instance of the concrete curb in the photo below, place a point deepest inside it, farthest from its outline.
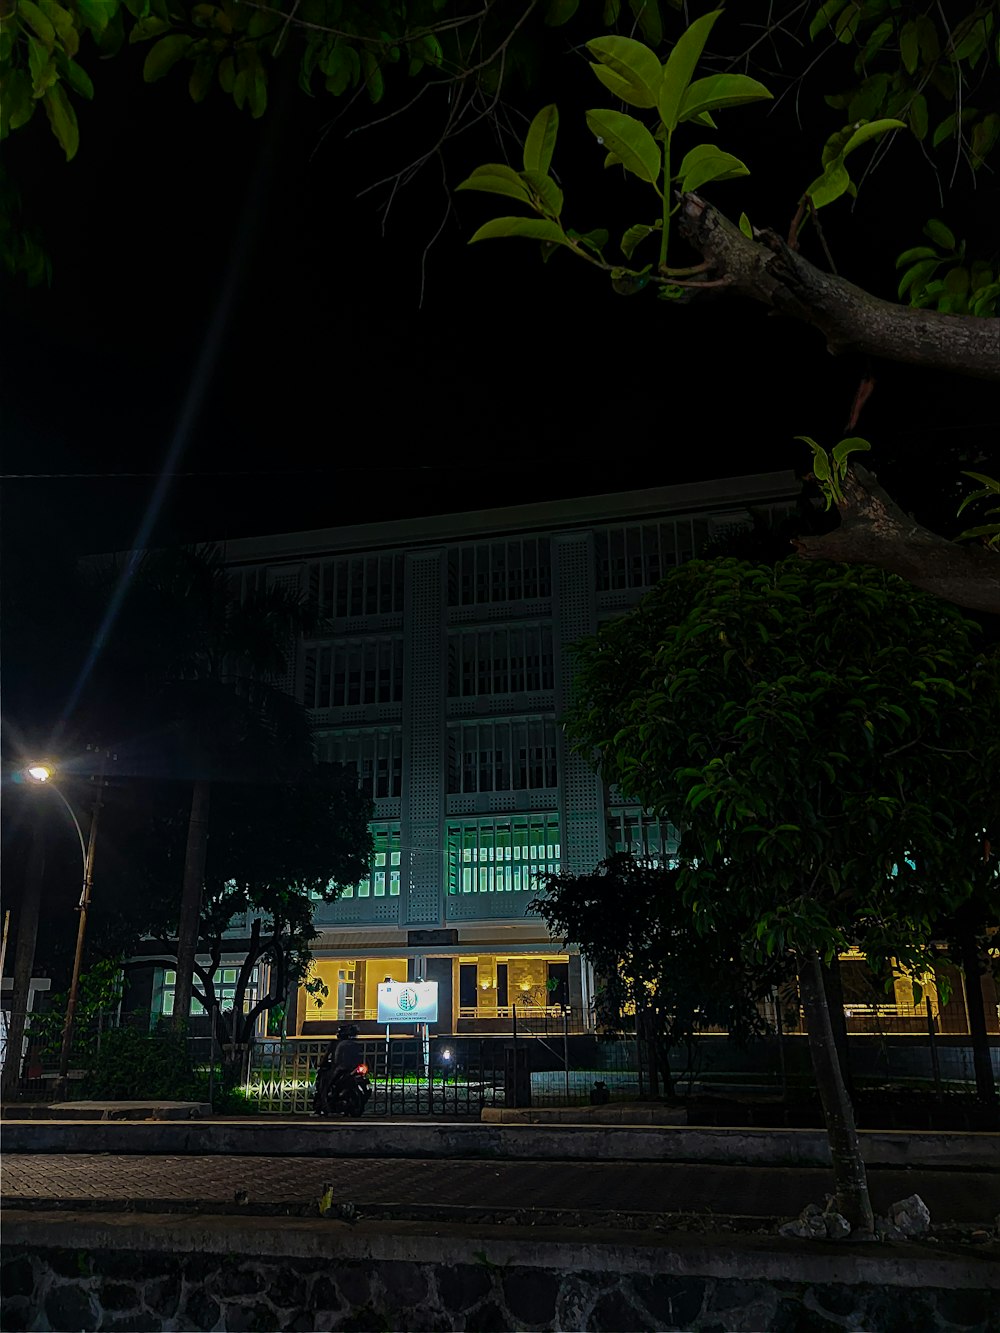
(723, 1256)
(371, 1138)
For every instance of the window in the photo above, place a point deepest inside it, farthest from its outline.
(374, 755)
(502, 571)
(500, 661)
(225, 991)
(360, 585)
(502, 855)
(642, 836)
(382, 880)
(638, 555)
(354, 671)
(514, 755)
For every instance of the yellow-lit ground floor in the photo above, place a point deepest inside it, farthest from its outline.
(483, 985)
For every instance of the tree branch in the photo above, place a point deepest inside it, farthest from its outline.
(875, 531)
(766, 270)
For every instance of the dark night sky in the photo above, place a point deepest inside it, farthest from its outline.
(222, 298)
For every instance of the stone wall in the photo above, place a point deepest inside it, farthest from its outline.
(505, 1285)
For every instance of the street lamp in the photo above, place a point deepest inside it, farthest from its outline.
(43, 774)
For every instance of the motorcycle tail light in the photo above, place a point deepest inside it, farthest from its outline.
(361, 1069)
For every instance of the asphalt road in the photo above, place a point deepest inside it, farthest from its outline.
(627, 1187)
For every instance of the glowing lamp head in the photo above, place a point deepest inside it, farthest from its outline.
(39, 772)
(446, 1054)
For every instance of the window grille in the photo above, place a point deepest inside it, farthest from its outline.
(225, 991)
(500, 660)
(502, 755)
(382, 880)
(359, 585)
(374, 755)
(503, 855)
(639, 554)
(502, 571)
(643, 836)
(350, 672)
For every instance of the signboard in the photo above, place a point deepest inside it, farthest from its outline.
(408, 1002)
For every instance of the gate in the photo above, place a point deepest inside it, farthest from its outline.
(460, 1077)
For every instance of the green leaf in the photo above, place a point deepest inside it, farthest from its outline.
(944, 130)
(917, 252)
(629, 139)
(18, 105)
(540, 142)
(917, 275)
(94, 14)
(745, 227)
(917, 116)
(36, 21)
(146, 28)
(719, 91)
(373, 76)
(62, 20)
(62, 118)
(634, 236)
(533, 229)
(834, 182)
(76, 76)
(548, 193)
(164, 55)
(558, 12)
(940, 234)
(984, 135)
(854, 445)
(227, 74)
(706, 163)
(871, 130)
(202, 72)
(42, 67)
(909, 47)
(496, 178)
(824, 17)
(647, 15)
(680, 66)
(629, 68)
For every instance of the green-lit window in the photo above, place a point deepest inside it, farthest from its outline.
(382, 880)
(642, 836)
(225, 990)
(503, 855)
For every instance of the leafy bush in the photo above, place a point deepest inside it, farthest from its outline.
(132, 1064)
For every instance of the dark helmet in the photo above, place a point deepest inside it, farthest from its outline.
(347, 1032)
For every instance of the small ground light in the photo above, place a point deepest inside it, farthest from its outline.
(39, 772)
(446, 1053)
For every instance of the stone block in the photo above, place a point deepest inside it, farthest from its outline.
(614, 1311)
(405, 1286)
(200, 1310)
(489, 1318)
(286, 1288)
(70, 1307)
(16, 1314)
(162, 1295)
(117, 1296)
(672, 1302)
(461, 1287)
(17, 1277)
(255, 1317)
(237, 1282)
(530, 1294)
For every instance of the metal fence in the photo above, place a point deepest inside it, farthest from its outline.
(447, 1077)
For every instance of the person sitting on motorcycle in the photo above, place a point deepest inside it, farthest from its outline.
(345, 1054)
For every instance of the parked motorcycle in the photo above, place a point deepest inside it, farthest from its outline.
(347, 1095)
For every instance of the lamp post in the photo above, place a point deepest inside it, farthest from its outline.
(43, 774)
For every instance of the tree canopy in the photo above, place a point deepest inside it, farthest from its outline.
(825, 739)
(823, 103)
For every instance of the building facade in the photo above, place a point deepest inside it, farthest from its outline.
(441, 674)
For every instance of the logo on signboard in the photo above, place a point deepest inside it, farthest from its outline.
(408, 1002)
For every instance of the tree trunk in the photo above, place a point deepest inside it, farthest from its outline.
(24, 961)
(194, 877)
(850, 1179)
(972, 970)
(834, 988)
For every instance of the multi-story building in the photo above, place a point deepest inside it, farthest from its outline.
(440, 678)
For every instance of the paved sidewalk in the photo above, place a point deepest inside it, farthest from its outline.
(423, 1187)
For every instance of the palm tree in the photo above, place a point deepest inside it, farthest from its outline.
(207, 663)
